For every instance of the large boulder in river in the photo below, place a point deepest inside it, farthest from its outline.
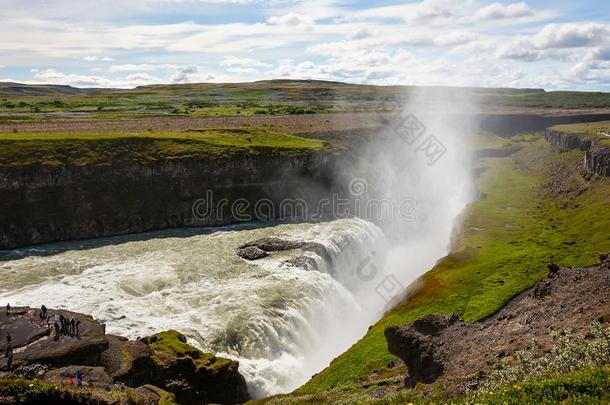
(193, 376)
(251, 253)
(277, 245)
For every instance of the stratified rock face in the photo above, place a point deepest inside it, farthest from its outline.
(597, 160)
(40, 204)
(444, 346)
(192, 376)
(597, 157)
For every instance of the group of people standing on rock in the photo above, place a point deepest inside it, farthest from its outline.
(66, 326)
(62, 325)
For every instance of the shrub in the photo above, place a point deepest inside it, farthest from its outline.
(569, 353)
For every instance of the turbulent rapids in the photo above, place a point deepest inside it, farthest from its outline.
(281, 321)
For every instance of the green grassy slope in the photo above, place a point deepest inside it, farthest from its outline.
(95, 149)
(506, 240)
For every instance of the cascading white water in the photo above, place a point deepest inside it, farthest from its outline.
(282, 322)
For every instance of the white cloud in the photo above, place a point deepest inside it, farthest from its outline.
(361, 34)
(497, 11)
(184, 74)
(52, 76)
(232, 61)
(602, 53)
(410, 42)
(291, 20)
(571, 35)
(98, 59)
(141, 67)
(558, 41)
(428, 12)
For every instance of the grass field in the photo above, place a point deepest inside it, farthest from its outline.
(505, 242)
(275, 97)
(97, 149)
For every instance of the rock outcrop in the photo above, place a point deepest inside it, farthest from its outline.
(463, 354)
(189, 373)
(597, 156)
(152, 366)
(417, 345)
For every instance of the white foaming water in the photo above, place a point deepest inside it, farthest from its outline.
(282, 322)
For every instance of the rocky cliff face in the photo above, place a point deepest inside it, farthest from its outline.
(41, 203)
(163, 362)
(597, 157)
(464, 355)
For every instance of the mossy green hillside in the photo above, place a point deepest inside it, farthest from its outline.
(171, 345)
(98, 149)
(587, 386)
(505, 242)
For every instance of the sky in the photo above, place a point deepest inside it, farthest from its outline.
(547, 44)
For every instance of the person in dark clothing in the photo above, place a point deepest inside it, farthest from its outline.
(77, 326)
(8, 309)
(43, 312)
(72, 326)
(56, 327)
(62, 324)
(79, 378)
(9, 363)
(8, 338)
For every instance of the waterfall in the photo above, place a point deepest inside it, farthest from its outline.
(283, 322)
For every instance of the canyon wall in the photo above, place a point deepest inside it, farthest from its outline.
(41, 203)
(597, 156)
(47, 203)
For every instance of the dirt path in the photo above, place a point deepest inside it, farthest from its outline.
(301, 124)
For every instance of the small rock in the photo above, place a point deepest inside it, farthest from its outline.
(553, 269)
(304, 262)
(31, 371)
(251, 253)
(472, 385)
(542, 289)
(603, 257)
